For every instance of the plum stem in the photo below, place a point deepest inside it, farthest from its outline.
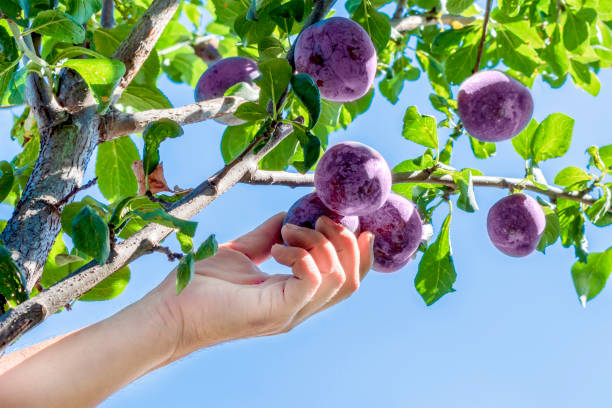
(485, 23)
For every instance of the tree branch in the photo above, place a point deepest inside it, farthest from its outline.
(107, 20)
(262, 177)
(116, 124)
(413, 22)
(33, 311)
(135, 49)
(483, 36)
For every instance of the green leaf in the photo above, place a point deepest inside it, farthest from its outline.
(65, 259)
(459, 64)
(420, 129)
(114, 168)
(185, 272)
(110, 287)
(143, 98)
(482, 150)
(523, 141)
(571, 220)
(553, 137)
(600, 208)
(11, 281)
(7, 179)
(90, 234)
(250, 111)
(458, 6)
(71, 210)
(279, 157)
(573, 178)
(57, 24)
(236, 139)
(312, 150)
(186, 242)
(82, 10)
(308, 93)
(275, 77)
(551, 231)
(436, 273)
(102, 75)
(161, 217)
(52, 272)
(207, 249)
(575, 32)
(183, 66)
(154, 134)
(419, 163)
(590, 277)
(375, 23)
(510, 7)
(9, 59)
(467, 198)
(584, 77)
(605, 153)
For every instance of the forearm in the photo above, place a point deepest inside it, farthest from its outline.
(95, 361)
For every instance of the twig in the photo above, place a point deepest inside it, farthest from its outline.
(107, 19)
(157, 200)
(85, 186)
(413, 22)
(484, 35)
(399, 10)
(172, 256)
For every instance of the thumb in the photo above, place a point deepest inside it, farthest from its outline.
(257, 243)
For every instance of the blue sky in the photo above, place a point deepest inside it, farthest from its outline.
(513, 334)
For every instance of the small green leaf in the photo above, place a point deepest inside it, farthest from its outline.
(375, 23)
(458, 6)
(251, 111)
(244, 90)
(600, 208)
(9, 60)
(153, 135)
(459, 64)
(575, 32)
(270, 47)
(186, 242)
(82, 10)
(510, 7)
(419, 163)
(436, 273)
(279, 158)
(65, 259)
(59, 25)
(114, 168)
(420, 129)
(523, 141)
(71, 210)
(185, 271)
(307, 91)
(235, 139)
(573, 178)
(482, 150)
(102, 75)
(467, 198)
(275, 77)
(7, 178)
(590, 277)
(551, 231)
(207, 249)
(160, 216)
(90, 234)
(11, 281)
(605, 153)
(110, 287)
(312, 150)
(571, 220)
(142, 98)
(553, 137)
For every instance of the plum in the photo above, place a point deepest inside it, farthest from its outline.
(306, 211)
(398, 232)
(516, 224)
(339, 56)
(494, 107)
(352, 179)
(221, 76)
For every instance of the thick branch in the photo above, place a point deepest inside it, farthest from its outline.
(284, 178)
(107, 20)
(22, 318)
(135, 49)
(413, 22)
(116, 124)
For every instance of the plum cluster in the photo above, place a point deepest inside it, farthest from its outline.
(353, 188)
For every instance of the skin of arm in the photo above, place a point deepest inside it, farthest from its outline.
(229, 298)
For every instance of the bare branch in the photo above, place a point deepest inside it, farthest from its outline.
(262, 177)
(107, 20)
(135, 49)
(116, 124)
(33, 311)
(413, 22)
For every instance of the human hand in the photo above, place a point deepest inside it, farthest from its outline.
(230, 298)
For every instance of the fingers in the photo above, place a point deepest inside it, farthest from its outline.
(299, 289)
(366, 253)
(257, 243)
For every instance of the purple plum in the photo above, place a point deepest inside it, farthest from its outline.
(339, 56)
(222, 75)
(398, 232)
(494, 107)
(516, 224)
(352, 179)
(306, 211)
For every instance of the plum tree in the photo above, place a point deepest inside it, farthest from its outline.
(81, 85)
(493, 106)
(306, 211)
(339, 55)
(352, 179)
(515, 224)
(397, 229)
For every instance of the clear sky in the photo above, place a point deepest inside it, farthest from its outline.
(513, 334)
